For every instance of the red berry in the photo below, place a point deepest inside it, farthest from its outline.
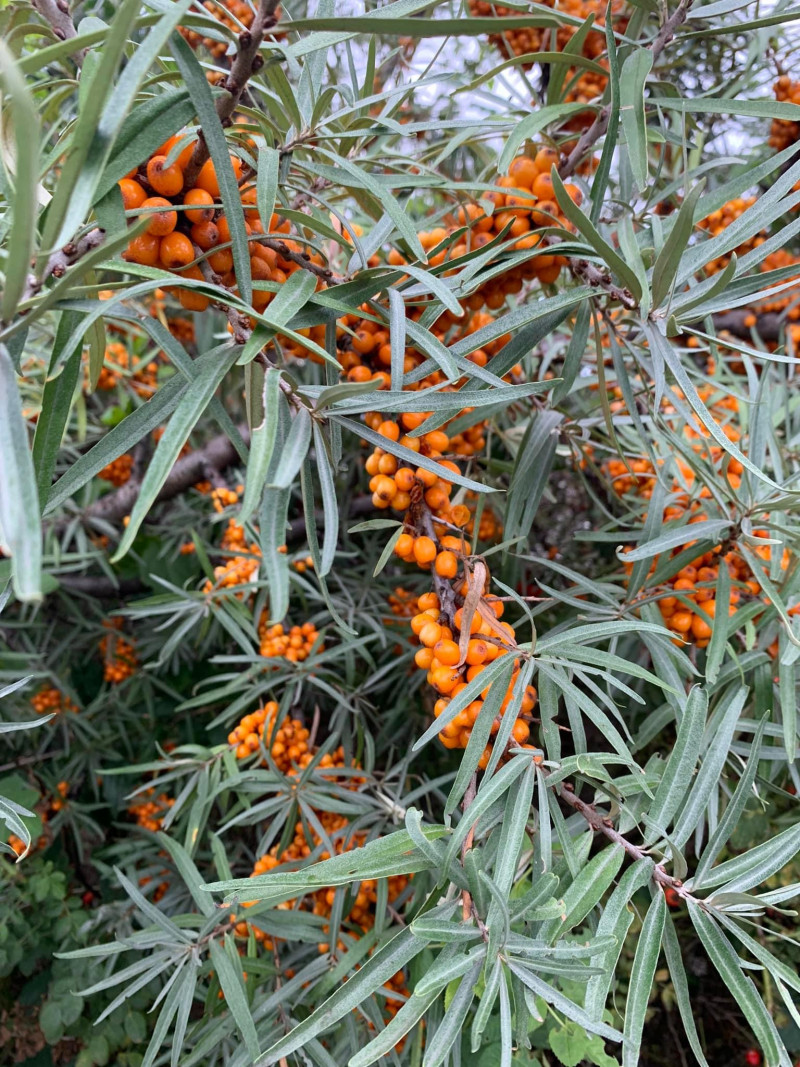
(752, 1057)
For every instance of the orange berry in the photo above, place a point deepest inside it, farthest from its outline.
(205, 235)
(681, 622)
(143, 249)
(424, 550)
(133, 195)
(477, 652)
(447, 653)
(160, 222)
(166, 181)
(446, 564)
(202, 204)
(524, 172)
(428, 600)
(176, 251)
(430, 633)
(404, 546)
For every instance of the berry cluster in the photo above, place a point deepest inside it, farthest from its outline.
(119, 655)
(294, 644)
(151, 810)
(450, 668)
(120, 365)
(288, 745)
(785, 132)
(688, 599)
(118, 471)
(52, 701)
(187, 227)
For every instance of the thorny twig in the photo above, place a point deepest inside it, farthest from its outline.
(602, 824)
(248, 61)
(64, 258)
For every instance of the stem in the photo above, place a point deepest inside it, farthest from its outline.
(247, 61)
(57, 14)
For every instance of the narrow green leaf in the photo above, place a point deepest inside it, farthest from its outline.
(195, 81)
(21, 241)
(648, 950)
(632, 79)
(733, 811)
(583, 224)
(20, 528)
(262, 445)
(294, 451)
(235, 996)
(724, 957)
(679, 769)
(378, 969)
(190, 407)
(668, 261)
(62, 218)
(267, 183)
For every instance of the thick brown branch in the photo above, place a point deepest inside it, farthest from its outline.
(769, 325)
(218, 454)
(57, 14)
(246, 62)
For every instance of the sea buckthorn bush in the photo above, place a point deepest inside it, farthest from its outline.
(399, 575)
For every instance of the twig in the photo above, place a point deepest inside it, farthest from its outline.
(302, 259)
(57, 14)
(602, 824)
(246, 62)
(600, 125)
(64, 258)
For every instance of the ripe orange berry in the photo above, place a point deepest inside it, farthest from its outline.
(428, 601)
(681, 622)
(205, 235)
(133, 195)
(166, 181)
(389, 429)
(477, 651)
(524, 172)
(424, 550)
(430, 633)
(176, 251)
(520, 731)
(221, 261)
(163, 221)
(202, 204)
(446, 651)
(404, 479)
(143, 249)
(423, 658)
(546, 159)
(404, 546)
(384, 487)
(446, 564)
